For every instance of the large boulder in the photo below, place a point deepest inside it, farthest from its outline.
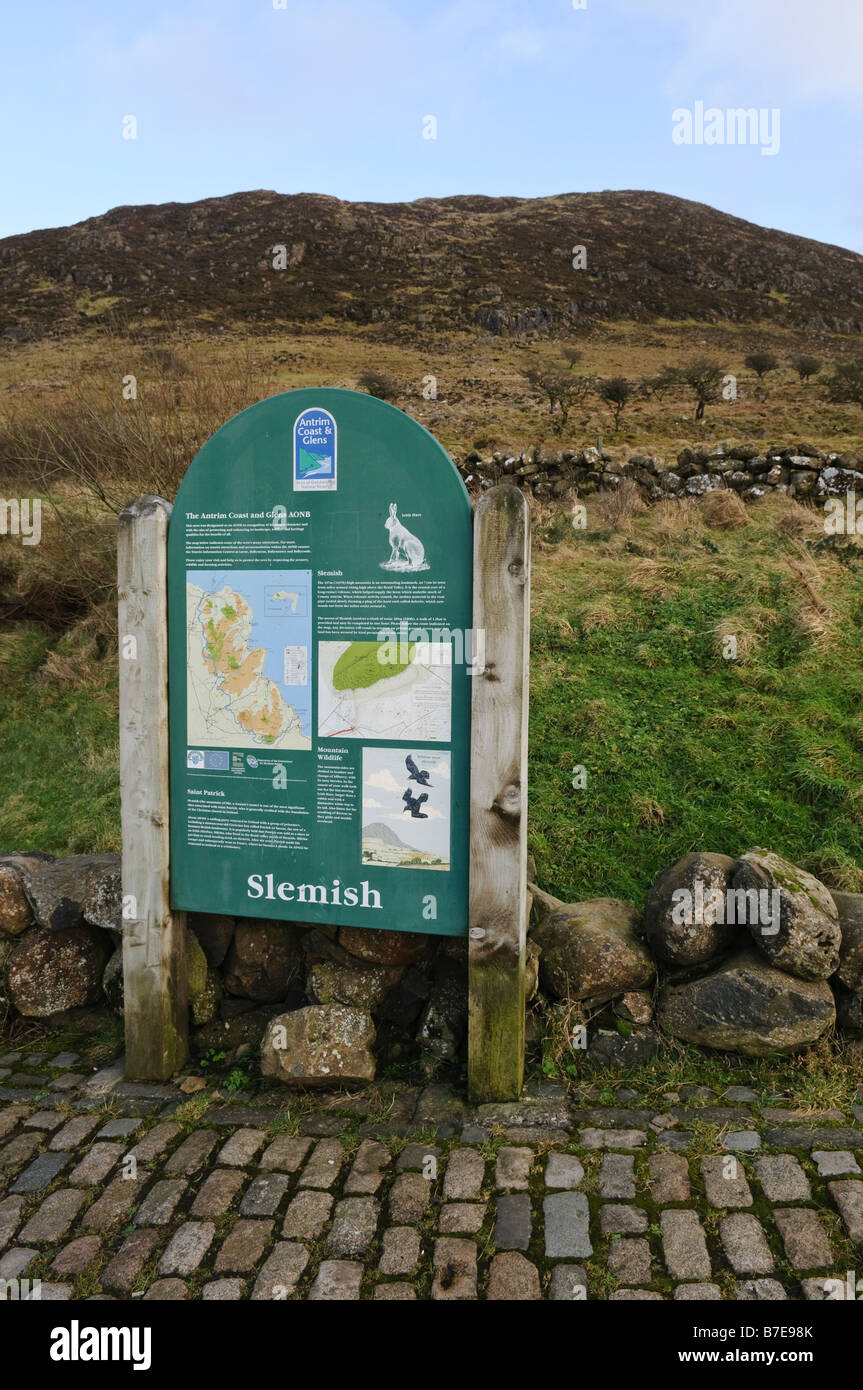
(264, 960)
(746, 1005)
(592, 950)
(684, 916)
(320, 1045)
(850, 909)
(52, 971)
(382, 947)
(806, 939)
(360, 984)
(64, 893)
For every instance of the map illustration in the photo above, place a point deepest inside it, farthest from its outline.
(362, 697)
(248, 637)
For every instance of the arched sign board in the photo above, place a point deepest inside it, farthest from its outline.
(319, 623)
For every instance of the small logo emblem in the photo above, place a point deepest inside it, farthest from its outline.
(315, 452)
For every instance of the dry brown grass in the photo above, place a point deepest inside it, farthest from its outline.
(615, 509)
(724, 510)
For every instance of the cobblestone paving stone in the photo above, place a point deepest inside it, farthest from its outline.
(121, 1190)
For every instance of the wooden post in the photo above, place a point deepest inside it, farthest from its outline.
(154, 946)
(498, 798)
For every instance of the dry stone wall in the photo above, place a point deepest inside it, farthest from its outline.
(799, 470)
(751, 955)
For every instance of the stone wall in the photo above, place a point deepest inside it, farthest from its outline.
(329, 1004)
(752, 955)
(799, 470)
(60, 949)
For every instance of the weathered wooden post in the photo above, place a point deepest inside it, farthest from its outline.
(498, 810)
(154, 950)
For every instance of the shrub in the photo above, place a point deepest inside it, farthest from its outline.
(379, 384)
(761, 363)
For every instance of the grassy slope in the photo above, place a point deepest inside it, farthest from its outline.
(683, 748)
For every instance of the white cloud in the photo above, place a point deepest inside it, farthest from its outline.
(802, 52)
(442, 769)
(370, 804)
(383, 780)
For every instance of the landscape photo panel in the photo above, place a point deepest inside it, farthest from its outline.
(406, 808)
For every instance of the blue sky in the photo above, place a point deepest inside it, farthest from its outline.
(530, 97)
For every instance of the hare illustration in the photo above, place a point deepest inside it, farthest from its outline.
(401, 539)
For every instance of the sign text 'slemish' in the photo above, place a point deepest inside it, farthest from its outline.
(319, 592)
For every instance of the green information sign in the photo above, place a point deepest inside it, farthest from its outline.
(319, 604)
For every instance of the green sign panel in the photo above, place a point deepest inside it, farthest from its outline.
(319, 602)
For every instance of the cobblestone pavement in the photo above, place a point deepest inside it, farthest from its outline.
(113, 1189)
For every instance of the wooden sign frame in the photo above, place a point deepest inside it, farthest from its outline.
(154, 946)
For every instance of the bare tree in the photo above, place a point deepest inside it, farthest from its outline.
(704, 379)
(616, 392)
(560, 387)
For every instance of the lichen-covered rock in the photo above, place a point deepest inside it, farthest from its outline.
(807, 941)
(592, 950)
(112, 982)
(51, 971)
(204, 1006)
(64, 893)
(204, 984)
(384, 947)
(320, 1045)
(360, 983)
(196, 966)
(102, 895)
(611, 1048)
(746, 1005)
(264, 960)
(636, 1006)
(444, 1018)
(215, 934)
(850, 909)
(684, 916)
(16, 914)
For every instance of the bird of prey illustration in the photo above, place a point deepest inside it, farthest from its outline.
(413, 804)
(414, 773)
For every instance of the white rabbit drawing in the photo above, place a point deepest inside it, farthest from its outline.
(402, 539)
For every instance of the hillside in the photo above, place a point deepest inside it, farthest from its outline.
(501, 264)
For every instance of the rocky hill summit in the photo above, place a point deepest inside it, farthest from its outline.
(505, 265)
